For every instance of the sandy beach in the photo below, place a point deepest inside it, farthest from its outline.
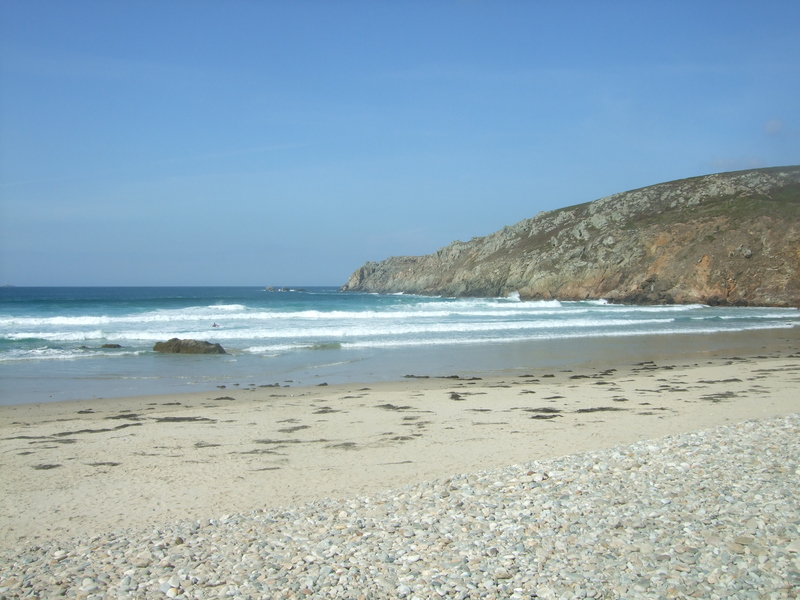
(87, 467)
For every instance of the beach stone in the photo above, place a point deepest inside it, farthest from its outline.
(142, 560)
(178, 346)
(734, 547)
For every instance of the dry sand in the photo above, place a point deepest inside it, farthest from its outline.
(86, 467)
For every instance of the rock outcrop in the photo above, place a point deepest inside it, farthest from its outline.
(177, 346)
(724, 239)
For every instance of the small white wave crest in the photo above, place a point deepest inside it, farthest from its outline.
(46, 353)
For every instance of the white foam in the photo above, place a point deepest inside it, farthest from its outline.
(361, 325)
(308, 315)
(407, 321)
(561, 335)
(47, 353)
(227, 307)
(359, 330)
(226, 313)
(57, 336)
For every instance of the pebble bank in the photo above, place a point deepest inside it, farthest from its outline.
(713, 514)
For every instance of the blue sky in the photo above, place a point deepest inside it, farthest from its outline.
(286, 143)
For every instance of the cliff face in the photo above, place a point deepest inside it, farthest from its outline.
(730, 238)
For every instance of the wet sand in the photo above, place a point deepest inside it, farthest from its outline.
(87, 467)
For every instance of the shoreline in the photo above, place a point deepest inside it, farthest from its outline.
(158, 375)
(87, 467)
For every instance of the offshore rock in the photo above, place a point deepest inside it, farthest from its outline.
(724, 239)
(176, 346)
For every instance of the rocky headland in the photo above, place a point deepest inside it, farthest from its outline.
(723, 239)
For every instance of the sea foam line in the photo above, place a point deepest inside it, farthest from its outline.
(456, 308)
(276, 349)
(550, 336)
(61, 354)
(179, 316)
(335, 331)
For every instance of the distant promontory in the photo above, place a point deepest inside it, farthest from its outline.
(724, 239)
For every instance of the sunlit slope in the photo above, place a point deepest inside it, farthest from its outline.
(728, 238)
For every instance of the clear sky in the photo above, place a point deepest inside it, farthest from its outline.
(211, 142)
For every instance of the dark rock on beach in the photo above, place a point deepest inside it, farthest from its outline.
(729, 239)
(177, 346)
(111, 346)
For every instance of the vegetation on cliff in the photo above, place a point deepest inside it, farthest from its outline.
(729, 238)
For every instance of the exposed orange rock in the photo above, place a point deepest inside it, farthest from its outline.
(730, 238)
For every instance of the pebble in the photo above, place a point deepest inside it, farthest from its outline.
(712, 514)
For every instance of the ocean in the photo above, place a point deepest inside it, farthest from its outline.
(51, 338)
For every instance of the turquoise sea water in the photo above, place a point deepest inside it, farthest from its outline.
(51, 338)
